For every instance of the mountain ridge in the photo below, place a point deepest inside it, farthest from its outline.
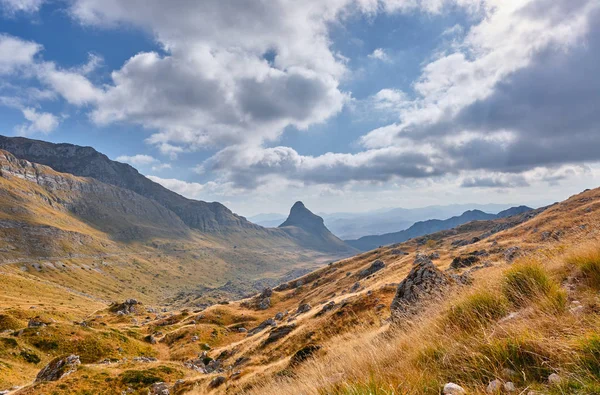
(422, 228)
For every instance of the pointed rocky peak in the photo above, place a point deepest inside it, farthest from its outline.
(302, 217)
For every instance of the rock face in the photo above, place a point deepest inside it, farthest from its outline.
(423, 280)
(311, 231)
(87, 162)
(58, 368)
(375, 267)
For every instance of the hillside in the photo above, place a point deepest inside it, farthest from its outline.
(515, 303)
(430, 226)
(95, 238)
(309, 229)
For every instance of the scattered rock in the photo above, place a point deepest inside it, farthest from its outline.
(217, 382)
(303, 308)
(509, 387)
(453, 389)
(195, 339)
(397, 251)
(327, 307)
(279, 333)
(375, 267)
(127, 307)
(304, 353)
(262, 326)
(58, 368)
(464, 261)
(159, 389)
(511, 253)
(264, 304)
(279, 316)
(145, 359)
(494, 387)
(554, 379)
(434, 255)
(355, 287)
(36, 322)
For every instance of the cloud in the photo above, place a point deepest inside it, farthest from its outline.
(380, 54)
(161, 167)
(14, 6)
(38, 122)
(16, 53)
(503, 181)
(137, 160)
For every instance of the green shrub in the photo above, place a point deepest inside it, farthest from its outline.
(140, 378)
(30, 357)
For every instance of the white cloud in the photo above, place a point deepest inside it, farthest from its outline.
(16, 53)
(38, 122)
(380, 54)
(13, 6)
(161, 166)
(137, 160)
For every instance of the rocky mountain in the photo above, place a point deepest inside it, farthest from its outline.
(87, 162)
(421, 228)
(310, 230)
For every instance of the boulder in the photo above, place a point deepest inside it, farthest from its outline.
(303, 308)
(511, 253)
(424, 279)
(453, 389)
(554, 379)
(159, 389)
(464, 261)
(58, 368)
(374, 267)
(279, 333)
(262, 326)
(304, 353)
(494, 387)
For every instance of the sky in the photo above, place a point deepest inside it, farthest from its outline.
(347, 105)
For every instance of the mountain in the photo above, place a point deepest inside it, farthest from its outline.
(348, 226)
(310, 230)
(421, 228)
(87, 162)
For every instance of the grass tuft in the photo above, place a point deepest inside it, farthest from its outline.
(587, 260)
(476, 310)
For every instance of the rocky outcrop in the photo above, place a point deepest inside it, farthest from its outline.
(130, 306)
(262, 326)
(374, 267)
(58, 368)
(279, 333)
(424, 280)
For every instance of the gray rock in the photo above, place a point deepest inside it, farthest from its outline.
(159, 389)
(494, 387)
(423, 280)
(375, 267)
(279, 316)
(262, 326)
(511, 253)
(303, 308)
(217, 382)
(509, 387)
(58, 368)
(453, 389)
(554, 379)
(279, 333)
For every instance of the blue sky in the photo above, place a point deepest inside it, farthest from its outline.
(348, 105)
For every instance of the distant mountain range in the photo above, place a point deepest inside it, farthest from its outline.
(422, 228)
(382, 221)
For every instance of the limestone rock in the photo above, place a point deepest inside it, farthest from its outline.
(423, 280)
(453, 389)
(58, 368)
(375, 267)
